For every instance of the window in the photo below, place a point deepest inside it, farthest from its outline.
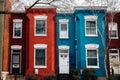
(40, 56)
(63, 28)
(17, 28)
(92, 56)
(40, 25)
(113, 31)
(91, 25)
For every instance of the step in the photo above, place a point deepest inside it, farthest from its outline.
(15, 77)
(63, 77)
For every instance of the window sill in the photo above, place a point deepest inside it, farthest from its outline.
(113, 38)
(91, 35)
(92, 66)
(40, 66)
(17, 37)
(64, 37)
(40, 35)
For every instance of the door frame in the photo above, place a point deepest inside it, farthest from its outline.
(64, 47)
(15, 47)
(117, 54)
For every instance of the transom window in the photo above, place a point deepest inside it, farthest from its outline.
(92, 56)
(113, 51)
(17, 28)
(63, 28)
(91, 25)
(40, 25)
(113, 31)
(40, 56)
(63, 50)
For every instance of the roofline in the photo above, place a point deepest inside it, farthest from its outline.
(40, 7)
(108, 11)
(70, 12)
(91, 7)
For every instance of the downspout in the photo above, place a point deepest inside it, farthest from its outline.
(76, 43)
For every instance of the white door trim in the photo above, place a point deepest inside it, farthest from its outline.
(64, 59)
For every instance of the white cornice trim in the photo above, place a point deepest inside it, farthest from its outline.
(90, 7)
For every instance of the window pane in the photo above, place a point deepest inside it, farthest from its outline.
(17, 29)
(40, 57)
(91, 53)
(92, 61)
(40, 26)
(64, 30)
(63, 51)
(63, 27)
(113, 33)
(90, 24)
(16, 59)
(91, 27)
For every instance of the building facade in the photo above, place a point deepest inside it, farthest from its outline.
(112, 25)
(66, 43)
(17, 44)
(43, 40)
(90, 39)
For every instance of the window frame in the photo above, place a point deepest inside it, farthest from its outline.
(91, 18)
(15, 21)
(92, 47)
(40, 46)
(115, 28)
(40, 17)
(63, 21)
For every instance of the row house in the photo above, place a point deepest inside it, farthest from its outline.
(90, 39)
(48, 41)
(66, 42)
(41, 41)
(113, 38)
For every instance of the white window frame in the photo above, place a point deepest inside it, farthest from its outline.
(16, 47)
(40, 17)
(91, 18)
(40, 46)
(92, 47)
(14, 22)
(114, 27)
(63, 21)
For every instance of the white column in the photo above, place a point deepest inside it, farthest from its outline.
(4, 75)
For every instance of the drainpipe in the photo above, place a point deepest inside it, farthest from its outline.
(76, 42)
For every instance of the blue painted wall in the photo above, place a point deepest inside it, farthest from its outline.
(82, 40)
(68, 42)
